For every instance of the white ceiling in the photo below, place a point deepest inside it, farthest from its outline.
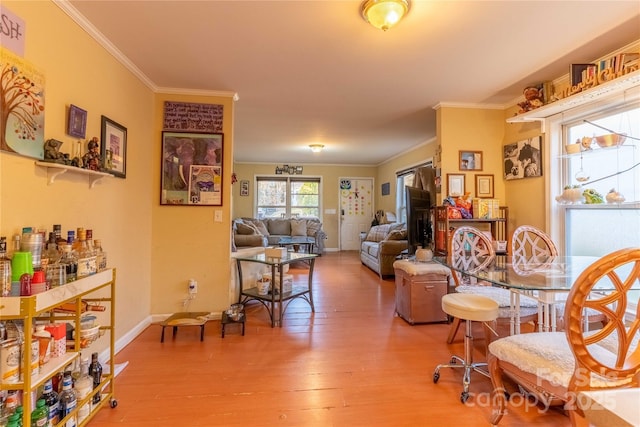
(315, 72)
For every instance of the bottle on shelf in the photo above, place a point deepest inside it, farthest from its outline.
(76, 243)
(50, 255)
(84, 386)
(86, 258)
(5, 269)
(70, 260)
(51, 399)
(71, 237)
(40, 415)
(68, 400)
(95, 371)
(89, 239)
(101, 255)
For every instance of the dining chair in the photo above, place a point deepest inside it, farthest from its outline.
(555, 366)
(471, 250)
(530, 244)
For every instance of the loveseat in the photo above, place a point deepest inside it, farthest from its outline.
(252, 232)
(382, 245)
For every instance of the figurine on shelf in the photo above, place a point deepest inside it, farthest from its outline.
(108, 159)
(52, 152)
(91, 159)
(533, 99)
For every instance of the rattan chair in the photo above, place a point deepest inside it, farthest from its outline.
(471, 250)
(555, 366)
(530, 244)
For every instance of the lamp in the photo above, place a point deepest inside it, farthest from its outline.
(384, 14)
(316, 148)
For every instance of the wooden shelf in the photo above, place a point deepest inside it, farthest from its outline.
(614, 86)
(56, 169)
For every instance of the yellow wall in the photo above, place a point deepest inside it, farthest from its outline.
(386, 172)
(525, 197)
(472, 129)
(187, 243)
(78, 71)
(243, 206)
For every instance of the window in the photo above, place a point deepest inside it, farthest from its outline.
(405, 178)
(597, 229)
(287, 197)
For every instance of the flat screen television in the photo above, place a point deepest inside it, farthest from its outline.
(418, 218)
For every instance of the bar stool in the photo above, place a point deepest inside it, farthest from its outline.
(470, 308)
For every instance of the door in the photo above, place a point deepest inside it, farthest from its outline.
(356, 211)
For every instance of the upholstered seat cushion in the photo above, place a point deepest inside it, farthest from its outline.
(470, 307)
(548, 356)
(413, 268)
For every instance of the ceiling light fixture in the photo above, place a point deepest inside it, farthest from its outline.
(384, 14)
(316, 148)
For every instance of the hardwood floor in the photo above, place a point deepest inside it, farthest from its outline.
(351, 363)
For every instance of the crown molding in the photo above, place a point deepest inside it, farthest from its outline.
(220, 93)
(468, 105)
(79, 19)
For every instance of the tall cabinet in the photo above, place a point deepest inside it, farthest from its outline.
(42, 307)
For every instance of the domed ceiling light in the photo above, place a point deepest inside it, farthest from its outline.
(384, 14)
(316, 148)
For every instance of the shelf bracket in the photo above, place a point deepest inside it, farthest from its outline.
(52, 174)
(542, 120)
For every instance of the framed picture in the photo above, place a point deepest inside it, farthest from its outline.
(386, 189)
(470, 160)
(455, 184)
(192, 169)
(113, 149)
(523, 159)
(77, 124)
(244, 187)
(580, 72)
(484, 186)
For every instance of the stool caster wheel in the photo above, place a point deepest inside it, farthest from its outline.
(436, 377)
(464, 397)
(453, 361)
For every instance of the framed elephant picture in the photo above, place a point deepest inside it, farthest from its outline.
(191, 169)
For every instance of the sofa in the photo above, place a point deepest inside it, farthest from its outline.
(253, 232)
(382, 245)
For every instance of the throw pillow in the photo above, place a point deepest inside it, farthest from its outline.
(279, 227)
(378, 233)
(261, 227)
(313, 227)
(298, 227)
(397, 235)
(243, 228)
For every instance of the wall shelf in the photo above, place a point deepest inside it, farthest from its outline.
(614, 86)
(56, 169)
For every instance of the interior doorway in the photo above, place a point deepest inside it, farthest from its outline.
(356, 211)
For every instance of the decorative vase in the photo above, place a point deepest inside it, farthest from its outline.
(424, 255)
(263, 286)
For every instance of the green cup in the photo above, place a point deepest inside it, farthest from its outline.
(21, 263)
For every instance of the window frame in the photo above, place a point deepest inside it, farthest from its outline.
(401, 179)
(288, 206)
